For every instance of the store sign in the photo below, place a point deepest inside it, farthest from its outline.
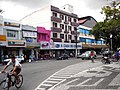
(16, 43)
(2, 38)
(29, 40)
(44, 45)
(67, 45)
(11, 24)
(29, 34)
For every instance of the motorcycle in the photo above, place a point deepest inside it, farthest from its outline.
(105, 60)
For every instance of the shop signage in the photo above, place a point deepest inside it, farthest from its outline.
(67, 45)
(44, 45)
(29, 40)
(16, 43)
(29, 34)
(11, 24)
(2, 38)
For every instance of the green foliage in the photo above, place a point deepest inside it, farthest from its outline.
(110, 25)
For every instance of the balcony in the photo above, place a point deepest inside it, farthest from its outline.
(56, 39)
(72, 41)
(55, 29)
(74, 24)
(66, 31)
(72, 32)
(66, 22)
(56, 19)
(66, 41)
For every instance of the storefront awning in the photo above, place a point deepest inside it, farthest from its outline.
(94, 46)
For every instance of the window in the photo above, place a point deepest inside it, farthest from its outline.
(75, 20)
(61, 26)
(62, 36)
(55, 35)
(43, 36)
(82, 39)
(65, 18)
(65, 27)
(70, 37)
(65, 37)
(54, 24)
(69, 19)
(62, 16)
(11, 34)
(54, 14)
(69, 28)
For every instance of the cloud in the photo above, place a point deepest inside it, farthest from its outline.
(28, 3)
(95, 4)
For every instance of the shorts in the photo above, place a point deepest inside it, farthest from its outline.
(18, 70)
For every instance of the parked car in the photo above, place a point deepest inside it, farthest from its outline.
(86, 55)
(19, 58)
(63, 57)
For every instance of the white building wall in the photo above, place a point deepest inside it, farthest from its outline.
(1, 25)
(16, 30)
(41, 17)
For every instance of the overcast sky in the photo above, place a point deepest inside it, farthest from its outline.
(17, 9)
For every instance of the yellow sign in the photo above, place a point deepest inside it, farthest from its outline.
(2, 38)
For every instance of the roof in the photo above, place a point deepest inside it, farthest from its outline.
(87, 21)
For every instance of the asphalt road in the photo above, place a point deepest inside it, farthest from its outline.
(36, 72)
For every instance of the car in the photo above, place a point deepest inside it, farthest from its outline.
(19, 58)
(63, 57)
(86, 55)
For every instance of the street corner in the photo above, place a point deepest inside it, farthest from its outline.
(105, 77)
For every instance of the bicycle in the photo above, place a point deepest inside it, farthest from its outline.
(10, 80)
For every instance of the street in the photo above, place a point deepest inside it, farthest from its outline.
(72, 74)
(36, 72)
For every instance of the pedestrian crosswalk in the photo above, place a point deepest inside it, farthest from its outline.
(53, 80)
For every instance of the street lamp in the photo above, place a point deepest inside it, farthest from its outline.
(111, 41)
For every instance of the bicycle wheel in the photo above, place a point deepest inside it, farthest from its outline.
(20, 78)
(103, 61)
(4, 85)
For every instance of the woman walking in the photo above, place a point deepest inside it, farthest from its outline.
(92, 56)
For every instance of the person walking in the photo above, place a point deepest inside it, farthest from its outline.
(92, 56)
(117, 55)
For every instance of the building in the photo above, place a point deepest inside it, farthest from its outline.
(43, 38)
(14, 43)
(29, 34)
(85, 38)
(62, 25)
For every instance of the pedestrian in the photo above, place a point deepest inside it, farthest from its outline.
(92, 56)
(117, 55)
(2, 59)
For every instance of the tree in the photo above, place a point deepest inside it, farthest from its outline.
(110, 25)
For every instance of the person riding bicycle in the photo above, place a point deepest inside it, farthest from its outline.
(16, 66)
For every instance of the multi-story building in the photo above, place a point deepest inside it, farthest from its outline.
(14, 42)
(62, 25)
(87, 40)
(29, 34)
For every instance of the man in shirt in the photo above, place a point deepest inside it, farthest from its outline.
(16, 66)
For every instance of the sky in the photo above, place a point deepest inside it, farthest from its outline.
(17, 9)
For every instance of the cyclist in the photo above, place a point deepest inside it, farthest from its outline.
(16, 67)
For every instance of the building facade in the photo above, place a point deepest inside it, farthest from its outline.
(87, 40)
(62, 25)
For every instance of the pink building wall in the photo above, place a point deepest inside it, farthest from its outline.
(43, 33)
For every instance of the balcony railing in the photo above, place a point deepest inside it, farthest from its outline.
(74, 24)
(56, 39)
(55, 29)
(56, 19)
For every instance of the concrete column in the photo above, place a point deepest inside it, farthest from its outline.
(20, 52)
